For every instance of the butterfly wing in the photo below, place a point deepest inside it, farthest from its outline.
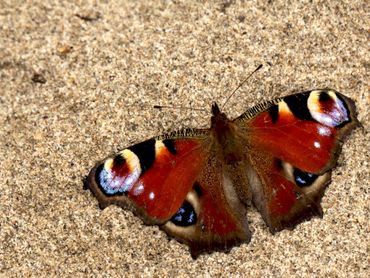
(292, 143)
(220, 220)
(175, 181)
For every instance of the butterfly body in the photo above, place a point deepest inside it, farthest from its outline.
(197, 184)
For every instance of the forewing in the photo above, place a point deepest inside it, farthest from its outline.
(292, 144)
(151, 178)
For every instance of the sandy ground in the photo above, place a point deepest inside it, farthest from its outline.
(77, 82)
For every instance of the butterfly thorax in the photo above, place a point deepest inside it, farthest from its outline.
(224, 132)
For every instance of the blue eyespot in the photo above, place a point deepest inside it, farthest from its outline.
(185, 216)
(304, 179)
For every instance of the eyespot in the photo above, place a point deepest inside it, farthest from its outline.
(304, 179)
(328, 108)
(185, 216)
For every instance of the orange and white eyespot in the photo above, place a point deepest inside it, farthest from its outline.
(330, 111)
(120, 179)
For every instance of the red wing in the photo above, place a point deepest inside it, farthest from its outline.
(284, 195)
(178, 184)
(151, 178)
(212, 216)
(292, 146)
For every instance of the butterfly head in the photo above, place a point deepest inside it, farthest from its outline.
(219, 119)
(215, 109)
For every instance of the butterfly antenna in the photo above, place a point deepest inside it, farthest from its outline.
(241, 84)
(179, 107)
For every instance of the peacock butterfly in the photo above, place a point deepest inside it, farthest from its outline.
(196, 184)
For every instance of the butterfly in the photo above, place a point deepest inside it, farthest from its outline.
(197, 184)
